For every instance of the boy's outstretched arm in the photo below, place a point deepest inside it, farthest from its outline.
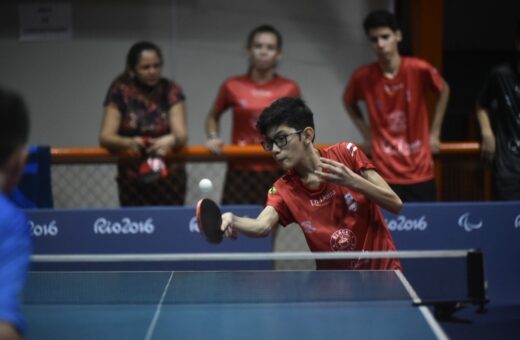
(261, 226)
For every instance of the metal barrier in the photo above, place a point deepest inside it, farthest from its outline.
(86, 177)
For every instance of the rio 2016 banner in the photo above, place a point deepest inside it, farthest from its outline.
(134, 231)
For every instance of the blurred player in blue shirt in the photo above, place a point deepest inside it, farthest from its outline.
(15, 241)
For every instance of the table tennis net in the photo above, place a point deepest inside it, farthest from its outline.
(433, 279)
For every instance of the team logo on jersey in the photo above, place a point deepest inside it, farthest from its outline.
(324, 199)
(400, 146)
(307, 227)
(350, 202)
(393, 88)
(397, 121)
(272, 191)
(343, 240)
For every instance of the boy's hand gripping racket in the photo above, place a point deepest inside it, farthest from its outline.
(209, 219)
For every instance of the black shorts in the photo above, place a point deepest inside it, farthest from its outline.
(418, 192)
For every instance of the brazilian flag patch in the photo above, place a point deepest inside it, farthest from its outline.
(272, 191)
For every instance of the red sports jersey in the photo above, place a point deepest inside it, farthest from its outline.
(248, 99)
(333, 217)
(398, 117)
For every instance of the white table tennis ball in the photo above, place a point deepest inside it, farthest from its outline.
(205, 185)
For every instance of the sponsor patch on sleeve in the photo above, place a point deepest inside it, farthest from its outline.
(272, 191)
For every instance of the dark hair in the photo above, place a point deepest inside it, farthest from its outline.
(14, 124)
(378, 19)
(290, 111)
(134, 54)
(264, 29)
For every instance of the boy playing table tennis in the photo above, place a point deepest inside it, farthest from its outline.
(333, 194)
(15, 243)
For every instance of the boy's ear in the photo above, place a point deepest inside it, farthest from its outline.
(308, 134)
(399, 35)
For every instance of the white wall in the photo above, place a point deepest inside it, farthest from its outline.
(203, 42)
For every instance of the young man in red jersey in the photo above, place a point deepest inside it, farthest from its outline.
(394, 90)
(333, 194)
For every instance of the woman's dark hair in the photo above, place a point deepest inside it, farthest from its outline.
(264, 29)
(133, 56)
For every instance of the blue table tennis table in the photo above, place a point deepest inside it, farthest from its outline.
(225, 305)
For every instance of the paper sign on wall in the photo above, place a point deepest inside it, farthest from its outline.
(45, 21)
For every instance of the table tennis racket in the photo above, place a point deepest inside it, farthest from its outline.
(209, 219)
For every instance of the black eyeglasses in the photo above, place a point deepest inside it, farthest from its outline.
(280, 141)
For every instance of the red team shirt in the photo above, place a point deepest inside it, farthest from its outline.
(248, 99)
(333, 217)
(398, 117)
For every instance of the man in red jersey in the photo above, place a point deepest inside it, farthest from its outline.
(394, 90)
(333, 194)
(247, 95)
